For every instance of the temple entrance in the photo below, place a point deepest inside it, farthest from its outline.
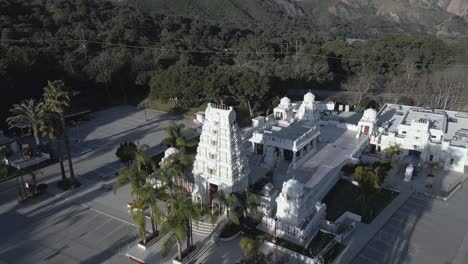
(288, 155)
(366, 130)
(213, 188)
(414, 153)
(259, 149)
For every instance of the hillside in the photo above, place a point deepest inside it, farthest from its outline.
(351, 18)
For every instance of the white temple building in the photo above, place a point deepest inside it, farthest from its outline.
(289, 134)
(427, 134)
(221, 162)
(286, 144)
(298, 216)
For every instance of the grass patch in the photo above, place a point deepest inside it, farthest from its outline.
(317, 244)
(345, 196)
(169, 106)
(159, 105)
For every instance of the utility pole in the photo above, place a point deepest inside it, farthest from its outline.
(83, 45)
(296, 47)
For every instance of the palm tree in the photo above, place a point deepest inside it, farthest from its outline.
(182, 211)
(179, 166)
(369, 184)
(179, 137)
(51, 125)
(57, 100)
(250, 204)
(231, 202)
(251, 245)
(148, 199)
(136, 174)
(27, 112)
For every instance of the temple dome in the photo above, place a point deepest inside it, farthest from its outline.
(293, 189)
(285, 102)
(370, 115)
(309, 98)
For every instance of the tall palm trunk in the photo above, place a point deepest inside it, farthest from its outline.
(179, 249)
(188, 231)
(36, 135)
(67, 148)
(60, 158)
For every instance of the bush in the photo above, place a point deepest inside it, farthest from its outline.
(348, 169)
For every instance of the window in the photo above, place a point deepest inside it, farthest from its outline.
(432, 136)
(211, 171)
(416, 138)
(215, 132)
(431, 157)
(451, 161)
(214, 142)
(212, 156)
(403, 132)
(415, 146)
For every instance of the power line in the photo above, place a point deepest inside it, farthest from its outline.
(228, 51)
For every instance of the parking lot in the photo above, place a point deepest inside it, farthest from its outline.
(87, 225)
(424, 230)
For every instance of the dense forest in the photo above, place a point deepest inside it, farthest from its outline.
(116, 53)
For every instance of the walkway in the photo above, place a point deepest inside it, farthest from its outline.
(365, 232)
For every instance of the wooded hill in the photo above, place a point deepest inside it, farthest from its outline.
(116, 53)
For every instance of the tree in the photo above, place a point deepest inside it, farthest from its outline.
(51, 125)
(136, 174)
(178, 136)
(249, 87)
(251, 248)
(392, 151)
(178, 222)
(27, 112)
(56, 99)
(368, 183)
(126, 152)
(362, 86)
(231, 202)
(148, 199)
(250, 205)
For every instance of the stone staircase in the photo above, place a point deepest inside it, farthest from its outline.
(203, 228)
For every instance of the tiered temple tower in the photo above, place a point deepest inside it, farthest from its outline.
(221, 162)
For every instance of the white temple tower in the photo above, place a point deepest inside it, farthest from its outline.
(368, 123)
(221, 162)
(308, 109)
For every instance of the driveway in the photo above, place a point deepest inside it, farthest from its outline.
(424, 230)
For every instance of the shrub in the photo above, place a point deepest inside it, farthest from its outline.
(348, 169)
